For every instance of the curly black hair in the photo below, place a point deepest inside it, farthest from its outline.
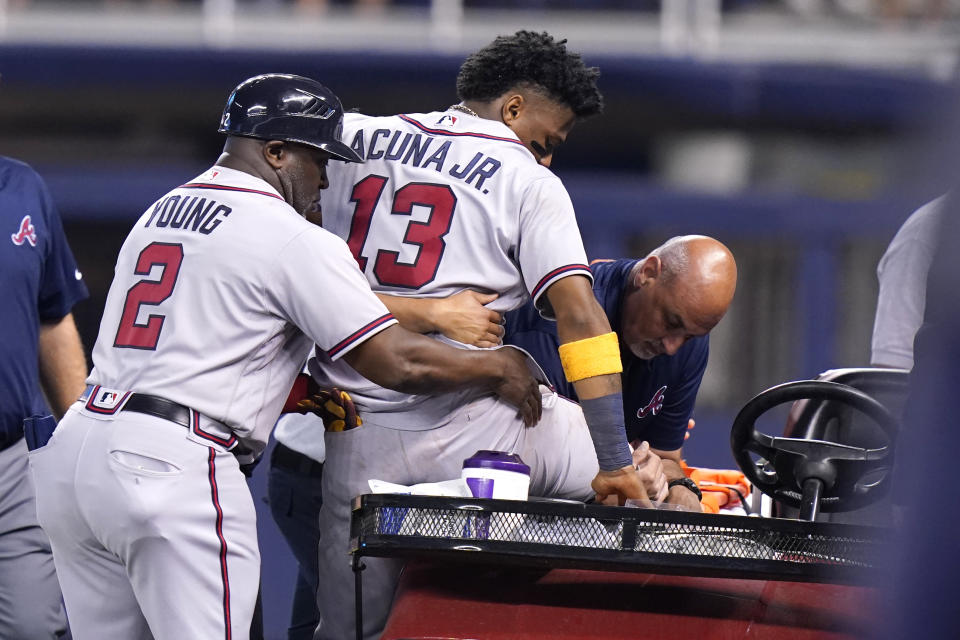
(534, 59)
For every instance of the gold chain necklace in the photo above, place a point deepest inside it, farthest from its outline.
(467, 110)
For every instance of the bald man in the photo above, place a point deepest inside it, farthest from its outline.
(663, 308)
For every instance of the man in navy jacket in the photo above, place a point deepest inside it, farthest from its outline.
(662, 307)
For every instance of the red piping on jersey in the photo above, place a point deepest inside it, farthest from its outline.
(223, 187)
(441, 132)
(553, 274)
(210, 436)
(215, 495)
(356, 335)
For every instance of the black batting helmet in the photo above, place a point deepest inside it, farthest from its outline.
(280, 106)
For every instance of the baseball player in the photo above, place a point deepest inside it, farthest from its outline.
(219, 291)
(458, 199)
(296, 462)
(40, 344)
(663, 308)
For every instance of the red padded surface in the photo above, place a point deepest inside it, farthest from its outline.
(466, 602)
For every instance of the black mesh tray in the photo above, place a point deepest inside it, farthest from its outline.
(574, 535)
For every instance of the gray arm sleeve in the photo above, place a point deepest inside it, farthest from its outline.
(902, 273)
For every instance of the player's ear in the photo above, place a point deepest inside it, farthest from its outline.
(649, 271)
(274, 153)
(511, 108)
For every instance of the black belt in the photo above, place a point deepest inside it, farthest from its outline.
(159, 408)
(291, 460)
(179, 414)
(152, 406)
(167, 410)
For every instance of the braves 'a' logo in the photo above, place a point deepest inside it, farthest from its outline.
(656, 403)
(27, 233)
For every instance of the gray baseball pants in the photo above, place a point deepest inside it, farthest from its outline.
(30, 604)
(558, 450)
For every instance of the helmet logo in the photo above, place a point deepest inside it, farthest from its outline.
(307, 105)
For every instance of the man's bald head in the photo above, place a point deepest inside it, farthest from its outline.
(703, 269)
(680, 290)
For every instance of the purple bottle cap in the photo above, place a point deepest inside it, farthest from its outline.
(497, 460)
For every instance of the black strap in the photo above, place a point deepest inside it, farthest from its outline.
(159, 408)
(689, 483)
(174, 412)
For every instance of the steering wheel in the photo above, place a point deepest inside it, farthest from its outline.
(814, 474)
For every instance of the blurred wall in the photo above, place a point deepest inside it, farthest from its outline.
(806, 171)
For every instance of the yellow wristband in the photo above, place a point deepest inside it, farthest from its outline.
(596, 356)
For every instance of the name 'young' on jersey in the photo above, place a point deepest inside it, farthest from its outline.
(445, 202)
(213, 304)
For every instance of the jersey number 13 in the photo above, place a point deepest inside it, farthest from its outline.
(427, 235)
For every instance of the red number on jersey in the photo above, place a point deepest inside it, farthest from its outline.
(130, 333)
(366, 194)
(427, 235)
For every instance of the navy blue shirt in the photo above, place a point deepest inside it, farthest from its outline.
(658, 394)
(39, 282)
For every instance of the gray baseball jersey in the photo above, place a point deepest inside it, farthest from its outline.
(220, 289)
(444, 202)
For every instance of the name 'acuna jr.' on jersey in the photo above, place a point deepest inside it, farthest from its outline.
(463, 185)
(444, 202)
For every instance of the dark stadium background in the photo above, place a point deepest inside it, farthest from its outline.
(803, 164)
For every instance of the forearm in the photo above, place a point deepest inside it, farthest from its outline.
(413, 314)
(673, 470)
(672, 463)
(437, 368)
(462, 316)
(591, 361)
(410, 363)
(63, 365)
(580, 316)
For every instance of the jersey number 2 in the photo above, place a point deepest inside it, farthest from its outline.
(130, 333)
(427, 235)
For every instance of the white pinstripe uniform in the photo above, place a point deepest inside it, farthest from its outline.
(444, 202)
(214, 306)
